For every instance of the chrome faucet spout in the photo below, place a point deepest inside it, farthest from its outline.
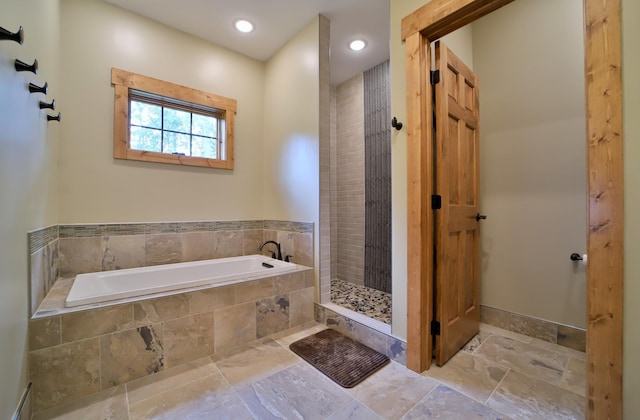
(279, 254)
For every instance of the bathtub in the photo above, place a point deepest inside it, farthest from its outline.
(112, 285)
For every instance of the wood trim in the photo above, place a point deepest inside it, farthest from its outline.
(440, 17)
(605, 275)
(605, 271)
(172, 90)
(124, 80)
(420, 216)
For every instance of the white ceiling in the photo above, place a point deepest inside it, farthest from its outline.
(277, 21)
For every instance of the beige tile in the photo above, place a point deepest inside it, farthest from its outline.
(37, 281)
(565, 351)
(354, 411)
(495, 317)
(445, 403)
(169, 379)
(393, 390)
(253, 290)
(536, 328)
(523, 397)
(504, 333)
(289, 282)
(574, 378)
(44, 332)
(123, 251)
(110, 404)
(302, 310)
(251, 241)
(188, 338)
(574, 338)
(285, 338)
(208, 398)
(287, 244)
(64, 372)
(476, 341)
(272, 315)
(296, 392)
(211, 299)
(130, 355)
(151, 311)
(234, 326)
(255, 362)
(163, 248)
(303, 249)
(92, 323)
(526, 358)
(227, 243)
(79, 255)
(473, 376)
(197, 246)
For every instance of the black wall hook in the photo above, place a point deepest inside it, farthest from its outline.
(54, 117)
(39, 89)
(22, 66)
(9, 36)
(44, 105)
(396, 124)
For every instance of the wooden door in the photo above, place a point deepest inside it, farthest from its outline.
(457, 280)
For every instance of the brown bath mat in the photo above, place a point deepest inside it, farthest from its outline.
(343, 360)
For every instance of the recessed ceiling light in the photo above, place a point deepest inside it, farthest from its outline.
(243, 25)
(357, 45)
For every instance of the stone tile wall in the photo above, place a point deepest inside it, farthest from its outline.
(563, 335)
(394, 348)
(68, 250)
(43, 270)
(80, 353)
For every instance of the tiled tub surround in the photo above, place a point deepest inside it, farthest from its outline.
(67, 250)
(79, 351)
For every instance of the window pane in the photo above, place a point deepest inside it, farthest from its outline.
(176, 143)
(146, 114)
(146, 139)
(204, 126)
(204, 147)
(176, 120)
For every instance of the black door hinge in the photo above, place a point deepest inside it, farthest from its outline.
(436, 202)
(435, 327)
(435, 77)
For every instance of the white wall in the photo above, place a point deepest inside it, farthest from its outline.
(533, 158)
(631, 135)
(94, 187)
(291, 154)
(27, 176)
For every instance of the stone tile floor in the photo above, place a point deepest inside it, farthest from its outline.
(498, 375)
(365, 300)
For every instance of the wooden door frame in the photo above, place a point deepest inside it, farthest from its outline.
(605, 274)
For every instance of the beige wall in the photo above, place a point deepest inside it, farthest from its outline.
(459, 41)
(291, 154)
(533, 158)
(631, 130)
(96, 36)
(27, 176)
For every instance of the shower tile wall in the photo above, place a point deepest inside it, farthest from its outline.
(349, 169)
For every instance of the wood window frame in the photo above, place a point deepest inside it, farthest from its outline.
(124, 80)
(605, 219)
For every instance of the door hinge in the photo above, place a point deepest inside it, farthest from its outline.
(435, 327)
(436, 202)
(435, 77)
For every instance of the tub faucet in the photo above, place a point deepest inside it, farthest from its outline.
(277, 247)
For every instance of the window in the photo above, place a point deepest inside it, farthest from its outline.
(158, 121)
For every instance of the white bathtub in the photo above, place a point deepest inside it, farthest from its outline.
(111, 285)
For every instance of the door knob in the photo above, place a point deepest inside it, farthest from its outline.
(481, 217)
